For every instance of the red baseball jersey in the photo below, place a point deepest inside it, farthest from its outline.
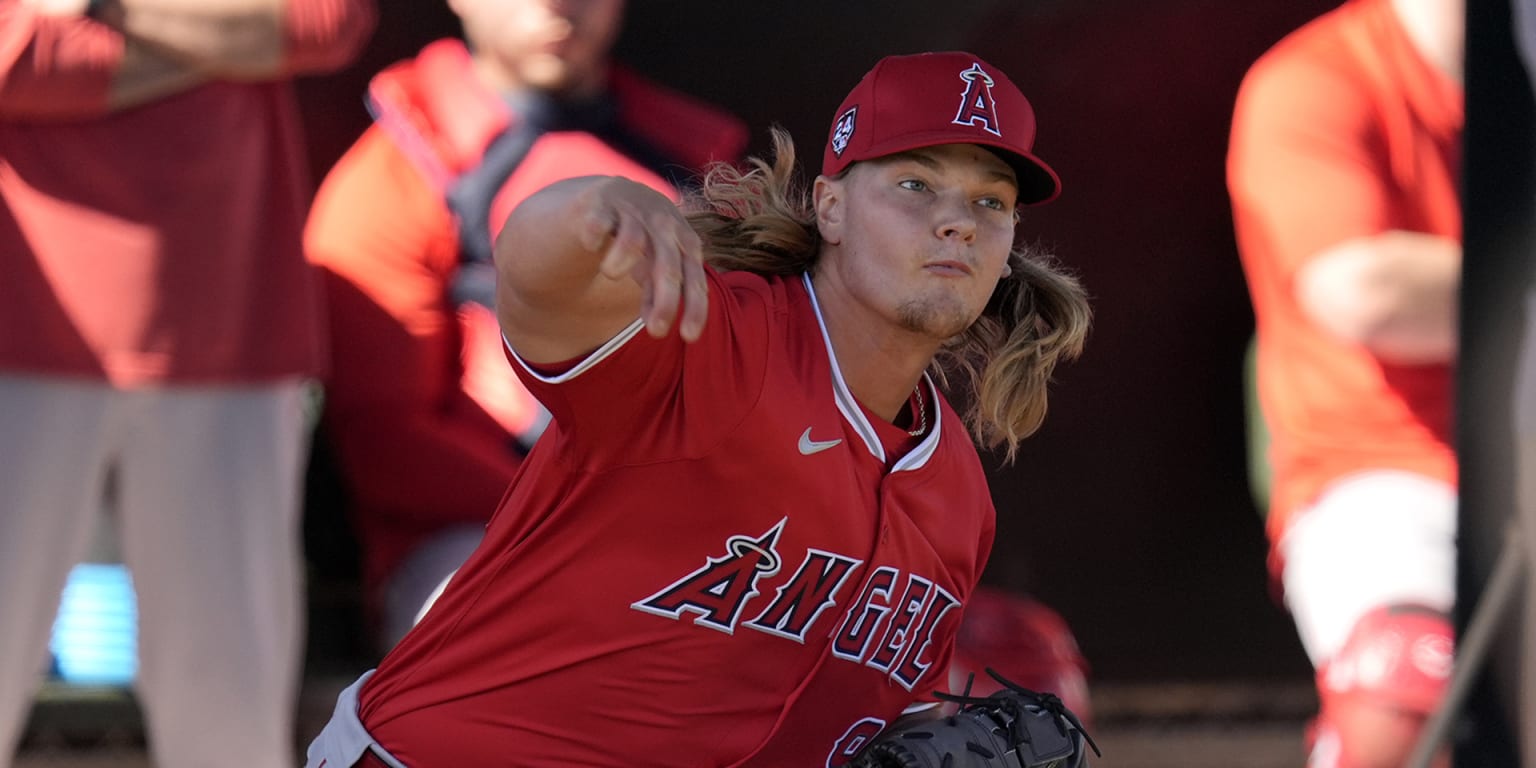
(712, 558)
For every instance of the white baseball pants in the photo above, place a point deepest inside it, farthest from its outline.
(208, 487)
(1372, 539)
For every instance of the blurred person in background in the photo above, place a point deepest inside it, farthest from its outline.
(426, 421)
(1343, 172)
(157, 329)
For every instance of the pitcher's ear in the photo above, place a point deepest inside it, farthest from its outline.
(829, 195)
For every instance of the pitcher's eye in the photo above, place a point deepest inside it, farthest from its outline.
(912, 184)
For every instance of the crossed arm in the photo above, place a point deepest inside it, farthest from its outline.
(57, 63)
(1310, 183)
(1395, 293)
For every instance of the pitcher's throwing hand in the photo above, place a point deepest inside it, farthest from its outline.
(642, 236)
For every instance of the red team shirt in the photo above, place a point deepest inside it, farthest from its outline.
(711, 558)
(157, 245)
(1346, 104)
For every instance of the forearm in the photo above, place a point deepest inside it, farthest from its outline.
(146, 74)
(230, 38)
(583, 258)
(548, 252)
(247, 39)
(57, 65)
(1395, 293)
(554, 302)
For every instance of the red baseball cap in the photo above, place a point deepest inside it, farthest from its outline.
(926, 99)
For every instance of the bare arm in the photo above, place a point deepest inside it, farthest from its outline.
(146, 75)
(247, 39)
(1396, 293)
(54, 64)
(230, 37)
(581, 259)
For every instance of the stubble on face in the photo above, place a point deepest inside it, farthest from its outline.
(934, 316)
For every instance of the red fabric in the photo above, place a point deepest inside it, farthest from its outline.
(325, 35)
(370, 760)
(1378, 690)
(1342, 130)
(54, 68)
(420, 400)
(693, 133)
(159, 244)
(668, 563)
(1395, 656)
(62, 67)
(486, 379)
(416, 453)
(919, 100)
(1024, 641)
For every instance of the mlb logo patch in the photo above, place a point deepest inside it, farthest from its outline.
(843, 130)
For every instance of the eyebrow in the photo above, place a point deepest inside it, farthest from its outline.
(927, 160)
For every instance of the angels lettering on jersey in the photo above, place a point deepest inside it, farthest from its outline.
(889, 626)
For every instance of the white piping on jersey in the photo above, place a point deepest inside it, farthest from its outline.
(846, 404)
(608, 348)
(849, 406)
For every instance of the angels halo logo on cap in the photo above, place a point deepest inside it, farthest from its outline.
(976, 106)
(907, 102)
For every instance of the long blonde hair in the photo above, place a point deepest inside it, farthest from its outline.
(761, 219)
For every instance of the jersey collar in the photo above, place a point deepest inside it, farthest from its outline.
(849, 407)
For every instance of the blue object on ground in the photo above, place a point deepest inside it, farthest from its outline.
(95, 636)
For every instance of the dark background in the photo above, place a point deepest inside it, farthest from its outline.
(1499, 198)
(1129, 512)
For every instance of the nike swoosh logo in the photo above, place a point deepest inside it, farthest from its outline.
(809, 446)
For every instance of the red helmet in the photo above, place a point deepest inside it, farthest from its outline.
(1025, 642)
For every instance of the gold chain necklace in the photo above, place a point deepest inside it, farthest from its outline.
(922, 412)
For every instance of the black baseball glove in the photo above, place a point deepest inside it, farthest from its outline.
(1013, 728)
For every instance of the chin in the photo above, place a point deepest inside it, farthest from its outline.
(936, 319)
(548, 73)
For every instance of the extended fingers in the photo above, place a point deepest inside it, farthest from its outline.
(665, 275)
(653, 245)
(627, 243)
(695, 285)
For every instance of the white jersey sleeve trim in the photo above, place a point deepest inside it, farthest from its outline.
(597, 356)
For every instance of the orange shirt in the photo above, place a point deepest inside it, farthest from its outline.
(1341, 130)
(161, 243)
